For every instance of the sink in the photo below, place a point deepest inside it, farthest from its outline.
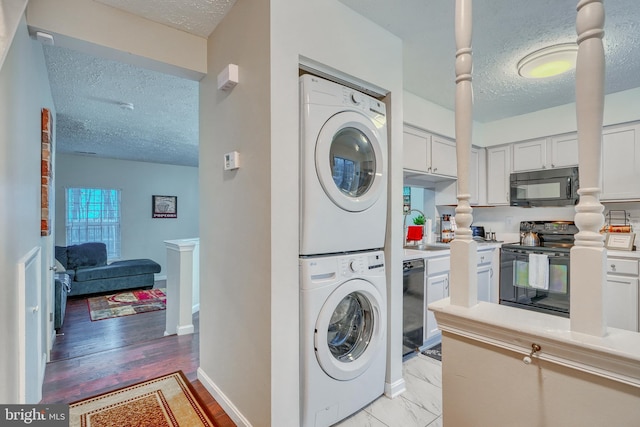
(426, 248)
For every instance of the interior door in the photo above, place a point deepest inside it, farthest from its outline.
(349, 161)
(350, 329)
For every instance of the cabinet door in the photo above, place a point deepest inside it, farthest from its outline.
(564, 151)
(484, 283)
(498, 170)
(437, 289)
(530, 155)
(621, 163)
(415, 150)
(443, 157)
(621, 302)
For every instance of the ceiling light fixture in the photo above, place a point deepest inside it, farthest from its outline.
(549, 61)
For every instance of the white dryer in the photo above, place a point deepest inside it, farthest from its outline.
(343, 335)
(343, 169)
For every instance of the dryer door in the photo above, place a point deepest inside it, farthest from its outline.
(350, 330)
(349, 161)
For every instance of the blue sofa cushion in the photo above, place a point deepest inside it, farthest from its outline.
(131, 267)
(61, 255)
(92, 254)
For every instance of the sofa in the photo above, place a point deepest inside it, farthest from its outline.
(89, 273)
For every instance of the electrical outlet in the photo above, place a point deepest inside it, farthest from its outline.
(509, 220)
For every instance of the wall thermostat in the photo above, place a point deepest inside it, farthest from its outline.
(231, 160)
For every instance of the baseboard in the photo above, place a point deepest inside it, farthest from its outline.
(395, 389)
(226, 404)
(157, 277)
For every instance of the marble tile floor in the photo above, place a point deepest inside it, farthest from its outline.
(419, 406)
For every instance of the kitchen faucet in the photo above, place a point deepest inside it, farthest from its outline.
(404, 224)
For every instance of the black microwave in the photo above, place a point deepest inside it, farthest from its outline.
(546, 187)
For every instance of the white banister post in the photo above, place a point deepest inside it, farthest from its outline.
(179, 317)
(464, 275)
(588, 256)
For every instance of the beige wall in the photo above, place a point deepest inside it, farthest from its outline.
(235, 239)
(101, 30)
(489, 386)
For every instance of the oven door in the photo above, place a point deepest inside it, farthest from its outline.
(517, 289)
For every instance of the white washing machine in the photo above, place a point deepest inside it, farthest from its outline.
(343, 169)
(343, 335)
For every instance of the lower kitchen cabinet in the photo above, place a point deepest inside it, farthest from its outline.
(486, 286)
(621, 293)
(437, 270)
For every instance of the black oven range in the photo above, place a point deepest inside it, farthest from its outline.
(534, 272)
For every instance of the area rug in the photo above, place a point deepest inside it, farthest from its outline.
(434, 352)
(167, 401)
(127, 303)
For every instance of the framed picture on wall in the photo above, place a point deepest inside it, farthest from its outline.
(164, 206)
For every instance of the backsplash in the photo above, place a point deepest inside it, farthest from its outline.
(505, 220)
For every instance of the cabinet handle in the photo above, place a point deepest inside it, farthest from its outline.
(613, 267)
(552, 165)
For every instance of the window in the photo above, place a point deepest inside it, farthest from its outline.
(93, 215)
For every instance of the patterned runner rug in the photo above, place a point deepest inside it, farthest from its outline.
(127, 303)
(167, 401)
(434, 352)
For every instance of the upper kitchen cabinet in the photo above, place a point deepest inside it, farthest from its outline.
(447, 191)
(530, 155)
(428, 154)
(621, 163)
(546, 153)
(564, 150)
(498, 171)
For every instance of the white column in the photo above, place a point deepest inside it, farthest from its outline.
(180, 276)
(588, 256)
(464, 275)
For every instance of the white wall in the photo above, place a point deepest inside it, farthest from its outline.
(141, 235)
(619, 107)
(24, 90)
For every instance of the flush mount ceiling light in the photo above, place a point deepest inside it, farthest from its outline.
(549, 61)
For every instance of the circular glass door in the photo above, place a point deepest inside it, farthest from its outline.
(349, 161)
(349, 330)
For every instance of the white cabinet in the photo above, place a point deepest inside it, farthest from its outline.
(427, 153)
(485, 276)
(530, 155)
(443, 156)
(563, 150)
(498, 170)
(621, 293)
(546, 153)
(437, 289)
(621, 163)
(447, 191)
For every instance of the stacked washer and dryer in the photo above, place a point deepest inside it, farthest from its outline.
(343, 215)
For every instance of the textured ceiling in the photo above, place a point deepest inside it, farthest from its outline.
(504, 31)
(163, 126)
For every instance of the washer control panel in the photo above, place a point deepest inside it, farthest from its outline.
(361, 264)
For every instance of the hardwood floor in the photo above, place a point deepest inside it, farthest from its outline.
(96, 357)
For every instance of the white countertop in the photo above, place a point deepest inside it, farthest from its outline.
(443, 249)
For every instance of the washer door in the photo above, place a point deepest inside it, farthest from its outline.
(349, 161)
(349, 330)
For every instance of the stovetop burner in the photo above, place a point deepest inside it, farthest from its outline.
(554, 236)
